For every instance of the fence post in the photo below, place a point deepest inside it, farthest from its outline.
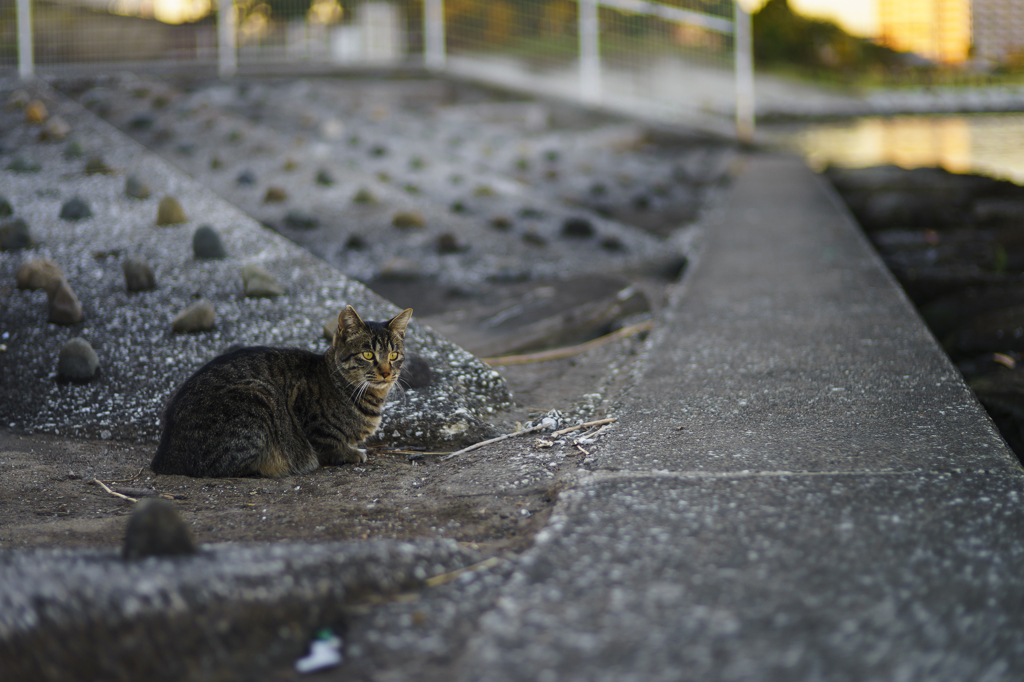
(434, 51)
(227, 55)
(744, 53)
(26, 61)
(590, 52)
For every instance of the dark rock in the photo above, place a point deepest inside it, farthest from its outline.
(14, 235)
(5, 207)
(38, 274)
(579, 228)
(169, 212)
(447, 243)
(156, 529)
(355, 242)
(97, 166)
(300, 221)
(275, 195)
(408, 220)
(77, 361)
(64, 306)
(323, 177)
(613, 244)
(1002, 394)
(138, 275)
(501, 223)
(199, 317)
(246, 177)
(19, 165)
(135, 188)
(75, 208)
(532, 238)
(416, 372)
(259, 283)
(364, 196)
(74, 150)
(992, 332)
(206, 244)
(143, 120)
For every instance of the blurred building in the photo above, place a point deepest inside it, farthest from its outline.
(944, 31)
(938, 30)
(999, 30)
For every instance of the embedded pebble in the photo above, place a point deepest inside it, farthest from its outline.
(95, 165)
(65, 307)
(259, 283)
(18, 99)
(5, 207)
(74, 150)
(408, 220)
(299, 220)
(206, 243)
(35, 112)
(75, 208)
(577, 227)
(156, 529)
(38, 274)
(14, 235)
(447, 243)
(20, 165)
(138, 275)
(169, 212)
(55, 130)
(199, 317)
(275, 195)
(323, 177)
(135, 188)
(246, 177)
(364, 196)
(77, 360)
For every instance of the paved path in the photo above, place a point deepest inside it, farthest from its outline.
(802, 487)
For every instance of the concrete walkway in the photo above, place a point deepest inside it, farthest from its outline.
(801, 488)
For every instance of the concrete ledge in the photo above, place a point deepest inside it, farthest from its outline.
(801, 486)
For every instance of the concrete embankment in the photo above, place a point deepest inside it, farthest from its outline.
(802, 486)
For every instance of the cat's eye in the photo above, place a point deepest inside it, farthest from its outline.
(393, 356)
(368, 355)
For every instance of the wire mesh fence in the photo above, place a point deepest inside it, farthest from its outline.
(670, 60)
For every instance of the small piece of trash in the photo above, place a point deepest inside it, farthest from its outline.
(324, 652)
(544, 443)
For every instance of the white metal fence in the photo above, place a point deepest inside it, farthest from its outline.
(684, 61)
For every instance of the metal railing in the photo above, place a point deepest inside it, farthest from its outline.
(681, 61)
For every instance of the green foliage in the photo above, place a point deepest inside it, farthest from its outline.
(783, 37)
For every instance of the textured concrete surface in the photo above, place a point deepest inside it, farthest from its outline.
(801, 487)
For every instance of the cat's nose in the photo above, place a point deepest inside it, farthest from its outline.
(384, 372)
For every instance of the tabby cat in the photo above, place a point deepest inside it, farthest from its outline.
(280, 411)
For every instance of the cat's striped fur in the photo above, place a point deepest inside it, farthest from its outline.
(280, 411)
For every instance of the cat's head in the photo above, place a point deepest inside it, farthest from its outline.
(370, 352)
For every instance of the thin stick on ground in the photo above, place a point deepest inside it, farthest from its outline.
(115, 494)
(569, 351)
(482, 443)
(587, 425)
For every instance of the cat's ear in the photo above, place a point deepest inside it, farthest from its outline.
(348, 323)
(398, 323)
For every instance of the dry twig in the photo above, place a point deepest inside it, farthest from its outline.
(482, 443)
(115, 494)
(569, 351)
(452, 575)
(587, 425)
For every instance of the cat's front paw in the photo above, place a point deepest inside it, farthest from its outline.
(356, 456)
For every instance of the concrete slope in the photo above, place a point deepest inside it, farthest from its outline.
(801, 487)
